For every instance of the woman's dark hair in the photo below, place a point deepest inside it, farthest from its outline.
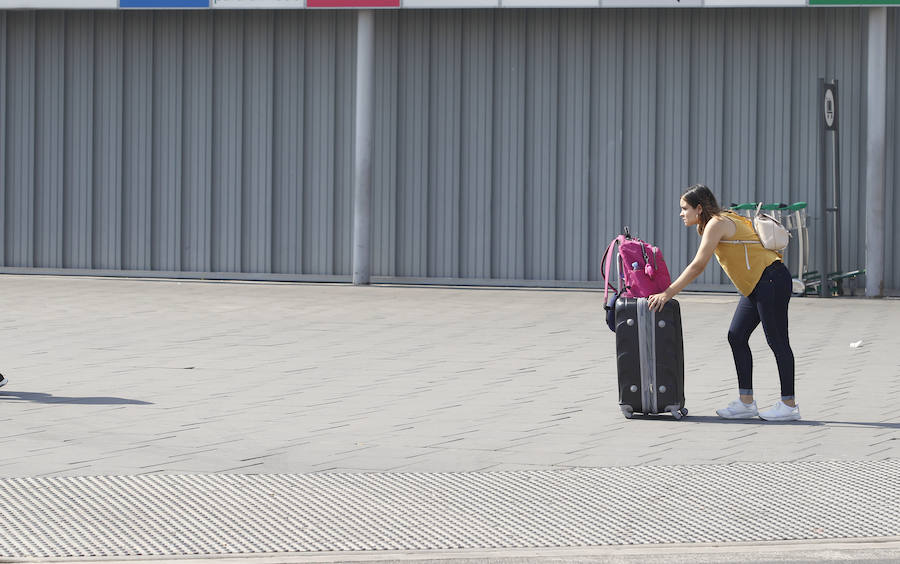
(700, 195)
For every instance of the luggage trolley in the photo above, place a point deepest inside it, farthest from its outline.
(793, 217)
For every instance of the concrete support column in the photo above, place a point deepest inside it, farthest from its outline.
(365, 101)
(875, 151)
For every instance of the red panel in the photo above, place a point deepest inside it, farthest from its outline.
(352, 3)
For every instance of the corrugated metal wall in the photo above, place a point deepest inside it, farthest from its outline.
(515, 144)
(509, 144)
(177, 141)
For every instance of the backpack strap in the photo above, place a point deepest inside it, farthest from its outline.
(746, 252)
(742, 241)
(604, 266)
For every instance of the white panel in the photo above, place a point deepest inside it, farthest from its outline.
(58, 4)
(650, 3)
(753, 3)
(258, 4)
(452, 3)
(550, 3)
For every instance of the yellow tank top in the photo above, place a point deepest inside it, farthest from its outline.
(744, 262)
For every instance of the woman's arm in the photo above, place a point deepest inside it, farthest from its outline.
(713, 233)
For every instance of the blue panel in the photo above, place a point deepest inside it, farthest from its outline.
(164, 3)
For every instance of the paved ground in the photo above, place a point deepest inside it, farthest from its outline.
(124, 377)
(128, 377)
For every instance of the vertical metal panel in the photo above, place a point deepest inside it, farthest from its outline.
(343, 143)
(168, 84)
(892, 174)
(768, 180)
(541, 129)
(196, 225)
(810, 38)
(257, 181)
(740, 113)
(673, 142)
(476, 140)
(20, 149)
(741, 107)
(137, 141)
(849, 68)
(706, 97)
(508, 235)
(79, 140)
(107, 205)
(4, 132)
(48, 140)
(607, 99)
(412, 144)
(444, 150)
(228, 133)
(639, 170)
(384, 151)
(287, 151)
(773, 146)
(706, 108)
(573, 243)
(318, 204)
(855, 242)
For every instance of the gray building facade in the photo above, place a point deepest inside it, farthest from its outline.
(510, 145)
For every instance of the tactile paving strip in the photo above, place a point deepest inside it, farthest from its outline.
(230, 514)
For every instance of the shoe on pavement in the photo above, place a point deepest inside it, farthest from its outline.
(780, 412)
(738, 410)
(3, 380)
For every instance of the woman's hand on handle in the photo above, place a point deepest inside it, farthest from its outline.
(657, 301)
(713, 233)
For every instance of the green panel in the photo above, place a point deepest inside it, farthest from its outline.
(854, 2)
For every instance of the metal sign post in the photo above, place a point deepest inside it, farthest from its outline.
(830, 114)
(822, 231)
(836, 191)
(830, 236)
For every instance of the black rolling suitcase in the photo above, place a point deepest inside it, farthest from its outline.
(649, 358)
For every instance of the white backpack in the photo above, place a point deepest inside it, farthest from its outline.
(772, 234)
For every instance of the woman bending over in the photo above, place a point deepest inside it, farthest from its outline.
(765, 286)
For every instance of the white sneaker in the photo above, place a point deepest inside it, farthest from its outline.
(738, 410)
(780, 412)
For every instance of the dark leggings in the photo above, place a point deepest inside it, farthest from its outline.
(768, 303)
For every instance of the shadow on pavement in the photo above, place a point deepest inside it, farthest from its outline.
(40, 397)
(806, 422)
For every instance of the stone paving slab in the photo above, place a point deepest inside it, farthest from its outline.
(112, 376)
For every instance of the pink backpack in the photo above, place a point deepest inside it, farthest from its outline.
(640, 266)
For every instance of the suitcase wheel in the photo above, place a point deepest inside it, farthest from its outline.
(627, 411)
(684, 411)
